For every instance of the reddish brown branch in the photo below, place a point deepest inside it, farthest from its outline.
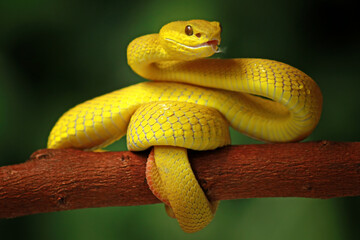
(55, 180)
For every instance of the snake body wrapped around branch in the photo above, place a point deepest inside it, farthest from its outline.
(191, 105)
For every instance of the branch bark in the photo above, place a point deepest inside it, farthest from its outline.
(56, 180)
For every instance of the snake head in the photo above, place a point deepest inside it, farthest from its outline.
(186, 40)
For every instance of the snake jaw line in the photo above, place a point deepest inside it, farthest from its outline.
(213, 43)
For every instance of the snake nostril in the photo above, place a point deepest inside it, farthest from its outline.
(198, 35)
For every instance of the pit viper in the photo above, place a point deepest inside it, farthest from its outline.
(190, 105)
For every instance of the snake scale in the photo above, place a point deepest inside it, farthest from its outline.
(191, 105)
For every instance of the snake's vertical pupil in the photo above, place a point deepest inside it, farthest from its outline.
(220, 28)
(189, 30)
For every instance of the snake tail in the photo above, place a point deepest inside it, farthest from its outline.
(193, 212)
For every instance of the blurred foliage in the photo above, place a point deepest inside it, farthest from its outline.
(55, 54)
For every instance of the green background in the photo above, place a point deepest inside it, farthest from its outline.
(56, 54)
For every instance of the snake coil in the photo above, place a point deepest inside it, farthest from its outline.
(190, 105)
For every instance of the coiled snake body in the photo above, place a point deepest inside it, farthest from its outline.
(191, 105)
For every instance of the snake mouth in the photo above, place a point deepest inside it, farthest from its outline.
(213, 43)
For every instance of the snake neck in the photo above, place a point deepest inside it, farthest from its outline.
(144, 52)
(147, 57)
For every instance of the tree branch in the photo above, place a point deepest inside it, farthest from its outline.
(56, 180)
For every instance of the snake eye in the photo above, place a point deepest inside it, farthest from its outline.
(220, 28)
(189, 30)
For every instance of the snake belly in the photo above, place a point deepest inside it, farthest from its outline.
(190, 105)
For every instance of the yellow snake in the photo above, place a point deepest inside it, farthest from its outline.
(190, 106)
